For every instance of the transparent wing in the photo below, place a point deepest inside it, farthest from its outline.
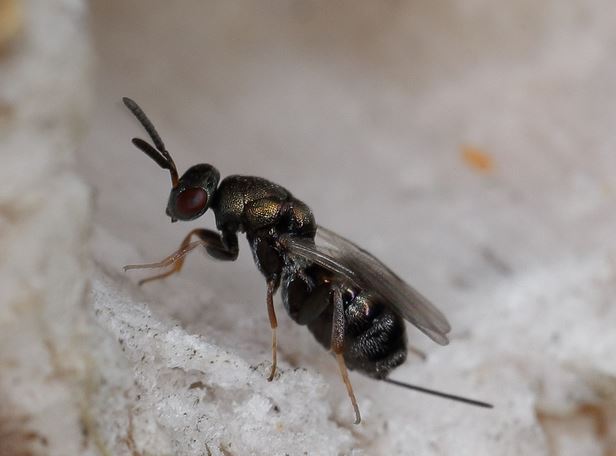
(362, 269)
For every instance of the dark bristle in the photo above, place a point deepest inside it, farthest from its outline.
(453, 397)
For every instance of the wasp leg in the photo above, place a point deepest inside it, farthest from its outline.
(271, 313)
(220, 247)
(337, 346)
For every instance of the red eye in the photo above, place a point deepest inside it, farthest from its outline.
(191, 201)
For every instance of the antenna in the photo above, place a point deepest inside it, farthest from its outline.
(158, 154)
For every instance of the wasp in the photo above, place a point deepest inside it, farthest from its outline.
(352, 303)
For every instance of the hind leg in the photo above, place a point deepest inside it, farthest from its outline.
(337, 346)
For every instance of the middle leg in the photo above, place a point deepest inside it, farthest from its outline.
(271, 313)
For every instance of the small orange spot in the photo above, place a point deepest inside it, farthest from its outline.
(11, 21)
(477, 159)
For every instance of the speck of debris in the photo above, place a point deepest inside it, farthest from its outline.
(197, 385)
(477, 159)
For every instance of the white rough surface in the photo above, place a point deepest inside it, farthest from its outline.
(45, 217)
(361, 108)
(188, 396)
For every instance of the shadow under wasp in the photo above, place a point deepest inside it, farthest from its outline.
(352, 303)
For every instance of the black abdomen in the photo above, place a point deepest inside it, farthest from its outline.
(375, 336)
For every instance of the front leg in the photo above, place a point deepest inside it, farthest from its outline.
(223, 247)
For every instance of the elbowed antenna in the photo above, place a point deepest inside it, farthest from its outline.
(453, 397)
(158, 154)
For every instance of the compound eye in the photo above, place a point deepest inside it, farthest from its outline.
(191, 202)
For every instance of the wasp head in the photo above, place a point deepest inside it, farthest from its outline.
(192, 194)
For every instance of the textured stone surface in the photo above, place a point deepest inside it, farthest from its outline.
(45, 217)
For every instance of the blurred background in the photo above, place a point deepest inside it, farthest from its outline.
(469, 145)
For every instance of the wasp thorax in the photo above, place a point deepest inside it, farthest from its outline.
(192, 196)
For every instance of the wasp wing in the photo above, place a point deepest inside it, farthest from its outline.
(362, 269)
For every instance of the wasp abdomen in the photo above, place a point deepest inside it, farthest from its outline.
(375, 336)
(375, 341)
